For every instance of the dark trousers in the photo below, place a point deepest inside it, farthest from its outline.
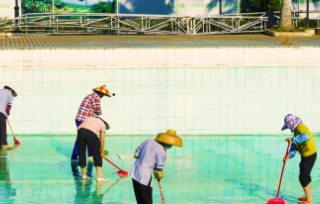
(306, 166)
(3, 129)
(75, 152)
(143, 193)
(88, 137)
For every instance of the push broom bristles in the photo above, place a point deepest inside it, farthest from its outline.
(276, 201)
(123, 173)
(16, 141)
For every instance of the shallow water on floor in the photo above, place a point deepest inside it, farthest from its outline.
(206, 170)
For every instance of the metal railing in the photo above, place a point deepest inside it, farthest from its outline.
(96, 23)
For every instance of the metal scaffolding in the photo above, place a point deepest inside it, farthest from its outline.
(93, 23)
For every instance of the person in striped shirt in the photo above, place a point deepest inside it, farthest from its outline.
(90, 107)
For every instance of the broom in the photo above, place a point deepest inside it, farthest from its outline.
(120, 172)
(278, 200)
(163, 201)
(14, 138)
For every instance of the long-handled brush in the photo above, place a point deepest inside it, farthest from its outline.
(120, 172)
(14, 138)
(163, 201)
(278, 200)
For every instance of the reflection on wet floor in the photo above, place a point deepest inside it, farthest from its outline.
(6, 189)
(206, 170)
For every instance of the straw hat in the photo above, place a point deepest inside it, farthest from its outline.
(13, 91)
(102, 89)
(170, 138)
(104, 120)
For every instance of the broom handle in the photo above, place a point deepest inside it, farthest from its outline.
(163, 201)
(112, 163)
(10, 128)
(284, 163)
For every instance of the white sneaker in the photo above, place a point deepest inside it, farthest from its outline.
(85, 177)
(103, 179)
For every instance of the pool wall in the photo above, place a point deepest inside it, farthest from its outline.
(197, 91)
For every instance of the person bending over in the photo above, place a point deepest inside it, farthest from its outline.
(90, 107)
(6, 99)
(88, 135)
(151, 155)
(303, 142)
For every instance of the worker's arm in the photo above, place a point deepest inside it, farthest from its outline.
(102, 134)
(137, 152)
(292, 152)
(158, 169)
(96, 105)
(9, 105)
(8, 109)
(300, 139)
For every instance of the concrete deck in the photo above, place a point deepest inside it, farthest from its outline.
(133, 41)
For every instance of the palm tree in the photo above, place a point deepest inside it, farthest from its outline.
(285, 16)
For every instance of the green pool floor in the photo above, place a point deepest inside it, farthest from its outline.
(206, 170)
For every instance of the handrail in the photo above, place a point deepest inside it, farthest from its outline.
(137, 24)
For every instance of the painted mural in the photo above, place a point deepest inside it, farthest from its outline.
(69, 6)
(159, 7)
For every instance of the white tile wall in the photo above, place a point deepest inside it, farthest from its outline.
(196, 91)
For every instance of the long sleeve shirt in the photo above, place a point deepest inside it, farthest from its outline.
(90, 107)
(151, 157)
(297, 140)
(6, 100)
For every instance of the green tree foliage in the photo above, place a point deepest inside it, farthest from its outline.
(59, 4)
(38, 6)
(273, 5)
(100, 8)
(248, 6)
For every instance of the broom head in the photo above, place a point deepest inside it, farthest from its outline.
(123, 173)
(276, 201)
(16, 141)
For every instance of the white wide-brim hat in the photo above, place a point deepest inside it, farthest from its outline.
(14, 93)
(104, 120)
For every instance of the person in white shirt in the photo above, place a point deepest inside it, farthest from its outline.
(6, 98)
(151, 156)
(88, 135)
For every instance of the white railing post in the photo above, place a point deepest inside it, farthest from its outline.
(117, 7)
